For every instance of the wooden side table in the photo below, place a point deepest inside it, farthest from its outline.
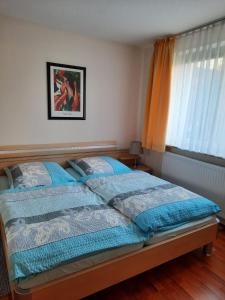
(142, 167)
(131, 160)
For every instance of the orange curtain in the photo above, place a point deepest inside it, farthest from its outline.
(157, 102)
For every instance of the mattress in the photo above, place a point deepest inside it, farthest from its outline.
(77, 265)
(161, 236)
(93, 260)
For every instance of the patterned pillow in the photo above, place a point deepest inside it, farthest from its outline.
(35, 174)
(98, 165)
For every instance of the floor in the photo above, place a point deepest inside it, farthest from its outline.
(192, 276)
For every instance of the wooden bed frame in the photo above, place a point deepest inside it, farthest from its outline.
(91, 280)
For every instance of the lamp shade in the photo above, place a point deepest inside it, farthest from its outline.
(135, 147)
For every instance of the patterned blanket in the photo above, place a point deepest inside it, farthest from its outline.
(152, 203)
(49, 226)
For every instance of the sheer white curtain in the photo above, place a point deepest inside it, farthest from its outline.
(197, 102)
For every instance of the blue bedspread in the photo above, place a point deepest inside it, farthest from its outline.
(49, 226)
(152, 203)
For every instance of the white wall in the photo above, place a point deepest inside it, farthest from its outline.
(113, 72)
(146, 55)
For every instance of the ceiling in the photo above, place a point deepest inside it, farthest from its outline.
(128, 21)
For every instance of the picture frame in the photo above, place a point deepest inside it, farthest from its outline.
(66, 86)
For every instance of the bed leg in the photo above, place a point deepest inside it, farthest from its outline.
(208, 249)
(22, 294)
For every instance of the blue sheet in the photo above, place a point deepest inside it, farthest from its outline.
(48, 226)
(152, 203)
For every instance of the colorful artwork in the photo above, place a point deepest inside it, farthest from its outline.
(66, 91)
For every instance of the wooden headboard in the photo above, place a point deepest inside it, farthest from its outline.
(11, 155)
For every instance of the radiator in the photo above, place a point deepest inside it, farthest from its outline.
(203, 178)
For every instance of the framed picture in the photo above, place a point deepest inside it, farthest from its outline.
(66, 92)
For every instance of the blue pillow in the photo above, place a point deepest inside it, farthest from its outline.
(33, 174)
(98, 165)
(58, 174)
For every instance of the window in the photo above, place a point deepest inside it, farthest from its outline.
(197, 101)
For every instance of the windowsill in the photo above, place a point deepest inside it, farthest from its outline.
(198, 156)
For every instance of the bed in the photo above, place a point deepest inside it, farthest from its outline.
(105, 267)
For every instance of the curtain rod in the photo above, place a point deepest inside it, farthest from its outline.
(200, 26)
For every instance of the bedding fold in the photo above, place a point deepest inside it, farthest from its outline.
(46, 227)
(152, 203)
